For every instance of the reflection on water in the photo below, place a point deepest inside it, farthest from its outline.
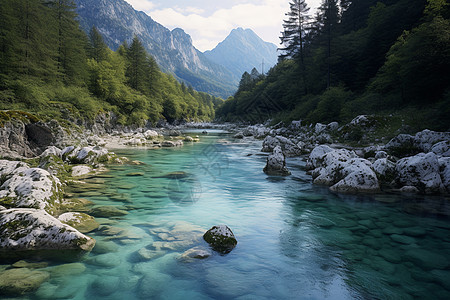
(295, 240)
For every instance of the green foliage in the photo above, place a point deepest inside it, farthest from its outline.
(50, 67)
(368, 57)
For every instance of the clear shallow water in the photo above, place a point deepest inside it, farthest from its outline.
(295, 240)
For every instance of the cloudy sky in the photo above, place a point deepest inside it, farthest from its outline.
(209, 22)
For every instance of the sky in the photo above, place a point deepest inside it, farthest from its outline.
(209, 22)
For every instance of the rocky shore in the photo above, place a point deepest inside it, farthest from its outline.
(418, 163)
(42, 159)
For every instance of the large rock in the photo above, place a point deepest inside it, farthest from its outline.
(444, 168)
(289, 148)
(384, 168)
(402, 145)
(276, 163)
(441, 148)
(86, 155)
(424, 140)
(19, 281)
(342, 170)
(169, 144)
(30, 187)
(32, 229)
(421, 171)
(221, 238)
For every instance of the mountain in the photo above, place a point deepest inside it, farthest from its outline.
(242, 50)
(118, 21)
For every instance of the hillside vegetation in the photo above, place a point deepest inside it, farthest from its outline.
(383, 57)
(50, 67)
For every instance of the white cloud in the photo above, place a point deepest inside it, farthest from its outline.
(142, 5)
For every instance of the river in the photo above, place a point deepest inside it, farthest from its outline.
(295, 240)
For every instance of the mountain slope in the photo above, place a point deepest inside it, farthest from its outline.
(117, 21)
(242, 51)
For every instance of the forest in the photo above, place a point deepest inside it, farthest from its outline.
(50, 67)
(385, 57)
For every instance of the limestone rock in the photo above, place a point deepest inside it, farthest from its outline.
(444, 168)
(195, 253)
(276, 163)
(107, 211)
(441, 149)
(424, 140)
(169, 144)
(342, 170)
(221, 238)
(80, 221)
(289, 148)
(32, 229)
(421, 171)
(78, 171)
(384, 168)
(33, 188)
(150, 134)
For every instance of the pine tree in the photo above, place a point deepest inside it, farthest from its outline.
(71, 43)
(328, 19)
(136, 71)
(293, 36)
(97, 48)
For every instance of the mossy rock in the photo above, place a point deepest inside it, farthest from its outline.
(221, 239)
(20, 281)
(30, 265)
(107, 212)
(76, 205)
(80, 221)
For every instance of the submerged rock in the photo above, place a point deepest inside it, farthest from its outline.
(20, 281)
(107, 211)
(195, 253)
(221, 239)
(276, 163)
(80, 221)
(32, 229)
(168, 144)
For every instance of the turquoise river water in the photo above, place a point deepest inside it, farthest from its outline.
(295, 240)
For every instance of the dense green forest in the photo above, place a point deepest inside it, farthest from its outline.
(50, 67)
(389, 57)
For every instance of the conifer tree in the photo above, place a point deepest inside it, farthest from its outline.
(136, 71)
(97, 47)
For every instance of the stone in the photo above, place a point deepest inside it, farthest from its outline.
(29, 265)
(441, 149)
(80, 221)
(290, 149)
(20, 281)
(105, 285)
(107, 212)
(342, 170)
(188, 139)
(316, 156)
(78, 171)
(67, 269)
(444, 168)
(333, 126)
(276, 163)
(32, 229)
(384, 168)
(196, 253)
(319, 128)
(102, 247)
(52, 150)
(239, 135)
(150, 134)
(221, 239)
(169, 144)
(402, 239)
(108, 260)
(408, 189)
(421, 171)
(427, 260)
(146, 254)
(31, 188)
(424, 140)
(402, 145)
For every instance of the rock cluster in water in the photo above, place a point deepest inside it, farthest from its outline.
(417, 163)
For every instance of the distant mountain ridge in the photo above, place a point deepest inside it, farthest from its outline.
(117, 21)
(242, 50)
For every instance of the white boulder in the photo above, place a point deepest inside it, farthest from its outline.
(150, 134)
(289, 148)
(444, 167)
(78, 171)
(32, 188)
(32, 229)
(421, 171)
(276, 163)
(441, 148)
(425, 139)
(342, 170)
(52, 150)
(384, 167)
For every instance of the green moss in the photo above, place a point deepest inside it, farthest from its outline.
(6, 116)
